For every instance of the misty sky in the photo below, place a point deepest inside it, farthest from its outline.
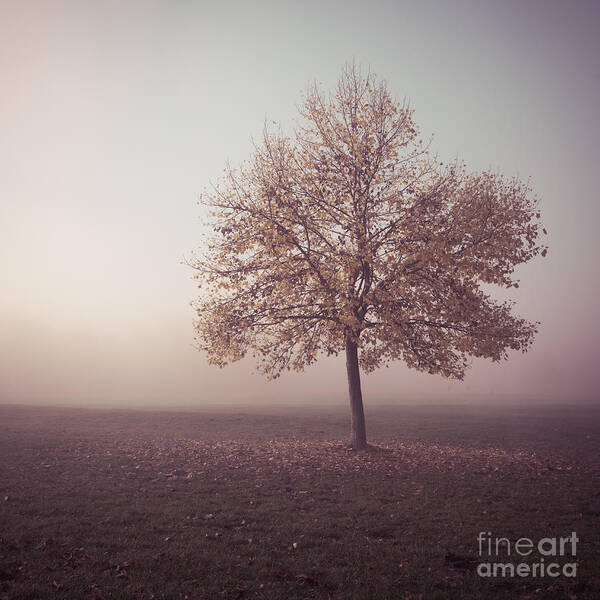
(115, 116)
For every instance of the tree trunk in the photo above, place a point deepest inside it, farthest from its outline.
(358, 429)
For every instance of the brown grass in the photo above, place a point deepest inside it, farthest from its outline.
(138, 504)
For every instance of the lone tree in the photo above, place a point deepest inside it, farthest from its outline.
(350, 236)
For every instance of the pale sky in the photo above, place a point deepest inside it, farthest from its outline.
(115, 116)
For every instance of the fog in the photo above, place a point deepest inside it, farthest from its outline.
(116, 116)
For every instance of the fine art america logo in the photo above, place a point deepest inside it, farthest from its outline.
(526, 558)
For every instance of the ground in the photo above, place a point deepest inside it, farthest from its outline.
(273, 504)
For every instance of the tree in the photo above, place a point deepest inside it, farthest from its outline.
(350, 236)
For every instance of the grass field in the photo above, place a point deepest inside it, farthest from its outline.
(139, 504)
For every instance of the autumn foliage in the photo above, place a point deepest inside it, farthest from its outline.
(351, 235)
